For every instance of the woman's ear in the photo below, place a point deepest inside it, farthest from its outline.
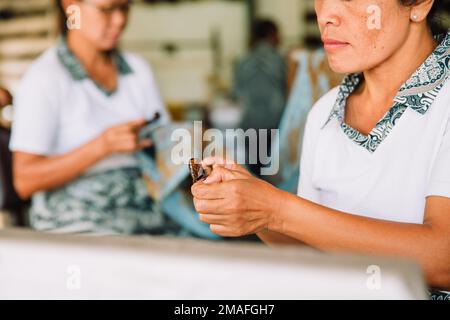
(419, 11)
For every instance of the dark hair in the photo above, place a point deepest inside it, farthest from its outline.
(433, 18)
(262, 29)
(62, 19)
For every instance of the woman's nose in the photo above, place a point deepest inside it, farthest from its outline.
(328, 13)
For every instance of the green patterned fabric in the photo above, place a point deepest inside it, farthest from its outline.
(77, 71)
(439, 295)
(417, 93)
(110, 202)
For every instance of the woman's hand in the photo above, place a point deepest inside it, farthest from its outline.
(124, 138)
(234, 202)
(33, 173)
(5, 98)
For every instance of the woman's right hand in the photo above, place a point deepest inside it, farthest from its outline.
(33, 173)
(124, 138)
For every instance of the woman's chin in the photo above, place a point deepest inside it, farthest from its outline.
(342, 67)
(108, 45)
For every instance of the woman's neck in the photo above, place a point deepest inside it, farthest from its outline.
(398, 68)
(89, 56)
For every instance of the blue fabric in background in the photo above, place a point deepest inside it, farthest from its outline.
(167, 181)
(311, 82)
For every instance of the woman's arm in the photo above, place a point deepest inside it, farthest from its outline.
(331, 230)
(33, 173)
(272, 238)
(241, 204)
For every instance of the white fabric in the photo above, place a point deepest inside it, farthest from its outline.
(392, 183)
(55, 114)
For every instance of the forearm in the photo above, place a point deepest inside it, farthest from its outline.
(47, 173)
(332, 230)
(272, 238)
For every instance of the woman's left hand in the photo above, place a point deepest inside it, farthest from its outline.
(234, 202)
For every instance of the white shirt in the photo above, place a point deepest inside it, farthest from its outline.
(406, 158)
(58, 108)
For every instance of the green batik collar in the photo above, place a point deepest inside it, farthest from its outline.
(77, 71)
(417, 93)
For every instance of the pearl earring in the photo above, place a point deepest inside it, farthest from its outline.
(414, 17)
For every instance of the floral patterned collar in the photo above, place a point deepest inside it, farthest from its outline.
(417, 93)
(77, 71)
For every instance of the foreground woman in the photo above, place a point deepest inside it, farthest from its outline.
(375, 173)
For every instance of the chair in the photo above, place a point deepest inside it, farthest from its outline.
(9, 200)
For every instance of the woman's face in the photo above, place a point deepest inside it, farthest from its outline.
(360, 34)
(102, 21)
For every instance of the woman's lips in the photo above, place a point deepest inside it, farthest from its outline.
(332, 45)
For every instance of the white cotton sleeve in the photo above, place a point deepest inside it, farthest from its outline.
(35, 117)
(439, 184)
(306, 188)
(149, 87)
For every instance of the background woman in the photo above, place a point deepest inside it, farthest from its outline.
(78, 113)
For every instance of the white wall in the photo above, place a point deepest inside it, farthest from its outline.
(288, 14)
(186, 76)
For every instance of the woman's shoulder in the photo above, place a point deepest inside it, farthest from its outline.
(45, 70)
(443, 95)
(321, 110)
(442, 102)
(137, 63)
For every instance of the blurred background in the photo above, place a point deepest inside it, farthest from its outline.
(192, 45)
